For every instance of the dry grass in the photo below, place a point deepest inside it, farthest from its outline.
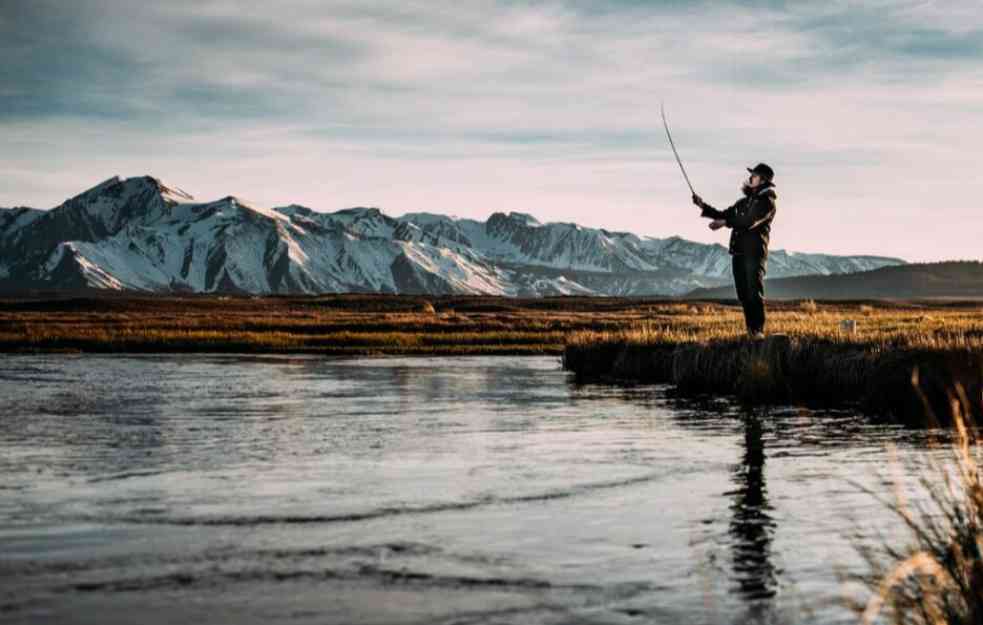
(809, 306)
(887, 327)
(353, 324)
(808, 357)
(938, 576)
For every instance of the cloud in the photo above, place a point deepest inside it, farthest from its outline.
(381, 102)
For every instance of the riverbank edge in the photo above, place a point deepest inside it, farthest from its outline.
(232, 347)
(913, 386)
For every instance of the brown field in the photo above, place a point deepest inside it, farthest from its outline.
(343, 324)
(698, 346)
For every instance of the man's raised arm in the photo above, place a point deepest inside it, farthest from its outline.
(711, 212)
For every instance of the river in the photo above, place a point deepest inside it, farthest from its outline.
(249, 489)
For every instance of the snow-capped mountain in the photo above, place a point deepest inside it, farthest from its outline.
(139, 234)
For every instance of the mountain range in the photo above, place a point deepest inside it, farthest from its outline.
(140, 234)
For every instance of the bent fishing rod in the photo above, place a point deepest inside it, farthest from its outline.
(673, 146)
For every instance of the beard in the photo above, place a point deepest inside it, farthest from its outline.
(747, 189)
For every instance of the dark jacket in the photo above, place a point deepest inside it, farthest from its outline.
(750, 220)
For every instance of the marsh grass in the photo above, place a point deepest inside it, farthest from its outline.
(807, 357)
(937, 577)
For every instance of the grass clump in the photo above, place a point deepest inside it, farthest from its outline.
(937, 578)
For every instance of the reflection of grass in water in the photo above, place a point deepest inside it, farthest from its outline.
(938, 576)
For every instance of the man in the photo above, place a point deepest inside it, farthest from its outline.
(750, 222)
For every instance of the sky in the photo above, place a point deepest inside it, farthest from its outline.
(870, 113)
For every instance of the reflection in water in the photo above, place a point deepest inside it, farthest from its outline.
(485, 490)
(751, 526)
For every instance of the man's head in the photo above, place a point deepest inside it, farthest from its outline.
(758, 176)
(763, 172)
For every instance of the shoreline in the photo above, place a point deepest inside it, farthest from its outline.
(697, 345)
(913, 386)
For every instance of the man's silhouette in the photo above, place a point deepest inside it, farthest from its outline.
(750, 222)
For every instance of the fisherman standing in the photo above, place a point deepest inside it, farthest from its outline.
(750, 222)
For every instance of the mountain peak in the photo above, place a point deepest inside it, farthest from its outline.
(428, 218)
(173, 194)
(102, 187)
(524, 218)
(360, 211)
(512, 222)
(117, 186)
(295, 209)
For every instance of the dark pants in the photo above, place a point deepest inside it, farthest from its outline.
(749, 279)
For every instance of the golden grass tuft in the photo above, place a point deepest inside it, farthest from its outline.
(938, 576)
(809, 306)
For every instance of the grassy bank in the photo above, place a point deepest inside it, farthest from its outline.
(807, 358)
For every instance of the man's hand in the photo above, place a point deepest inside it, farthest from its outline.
(698, 200)
(717, 224)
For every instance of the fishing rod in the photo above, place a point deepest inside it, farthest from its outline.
(673, 146)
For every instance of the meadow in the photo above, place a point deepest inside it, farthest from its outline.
(337, 324)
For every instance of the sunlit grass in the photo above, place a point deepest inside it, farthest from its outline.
(808, 357)
(700, 346)
(330, 325)
(937, 576)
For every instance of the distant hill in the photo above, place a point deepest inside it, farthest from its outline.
(962, 279)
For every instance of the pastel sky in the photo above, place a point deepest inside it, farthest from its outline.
(870, 112)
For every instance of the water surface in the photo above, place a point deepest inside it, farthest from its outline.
(160, 489)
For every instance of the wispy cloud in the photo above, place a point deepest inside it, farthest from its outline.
(867, 111)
